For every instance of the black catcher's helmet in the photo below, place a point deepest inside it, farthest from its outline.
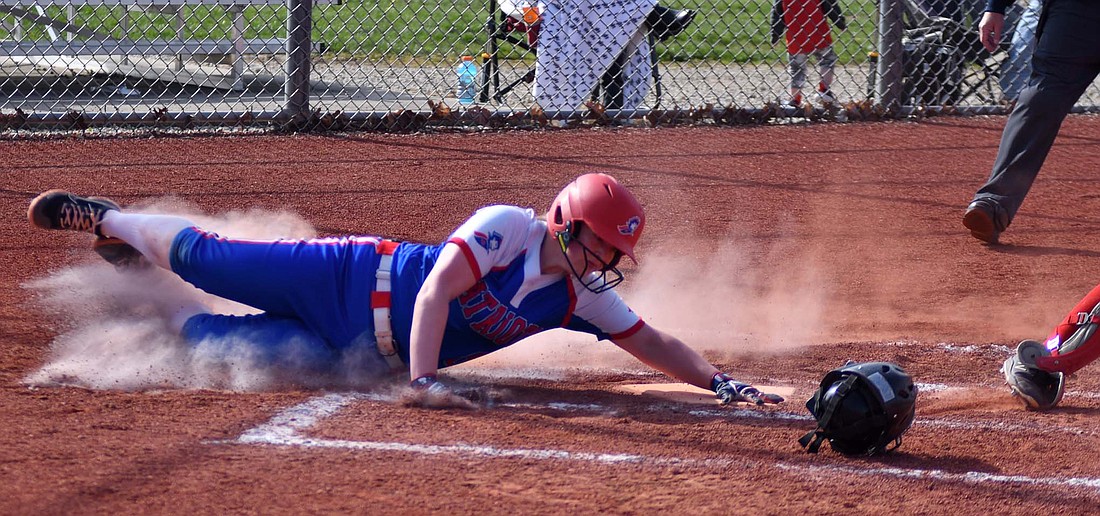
(861, 408)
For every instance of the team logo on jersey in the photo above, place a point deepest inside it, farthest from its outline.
(490, 242)
(631, 226)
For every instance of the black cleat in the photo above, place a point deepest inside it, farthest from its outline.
(120, 254)
(1039, 389)
(57, 209)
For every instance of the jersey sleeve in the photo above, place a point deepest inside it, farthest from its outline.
(604, 315)
(493, 237)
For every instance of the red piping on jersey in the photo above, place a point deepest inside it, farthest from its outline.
(572, 302)
(629, 331)
(469, 254)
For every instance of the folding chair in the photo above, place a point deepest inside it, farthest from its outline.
(519, 25)
(943, 60)
(513, 24)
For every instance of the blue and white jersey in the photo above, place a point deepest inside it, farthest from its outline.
(512, 299)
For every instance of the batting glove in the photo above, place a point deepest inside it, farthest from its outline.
(729, 391)
(428, 383)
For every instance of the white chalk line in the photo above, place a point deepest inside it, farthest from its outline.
(972, 477)
(286, 424)
(299, 415)
(283, 430)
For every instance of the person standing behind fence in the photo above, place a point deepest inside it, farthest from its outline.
(1066, 61)
(808, 33)
(1017, 68)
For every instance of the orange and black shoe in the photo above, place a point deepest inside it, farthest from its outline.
(58, 209)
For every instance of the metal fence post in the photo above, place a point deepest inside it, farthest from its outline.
(888, 83)
(299, 28)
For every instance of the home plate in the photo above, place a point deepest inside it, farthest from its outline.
(686, 393)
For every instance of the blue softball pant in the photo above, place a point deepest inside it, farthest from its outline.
(315, 296)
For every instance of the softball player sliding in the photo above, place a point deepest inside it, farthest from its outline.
(503, 275)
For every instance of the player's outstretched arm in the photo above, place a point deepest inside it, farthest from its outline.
(450, 277)
(671, 356)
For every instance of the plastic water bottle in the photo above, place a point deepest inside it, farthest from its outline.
(467, 80)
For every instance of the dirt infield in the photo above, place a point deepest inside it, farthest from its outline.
(779, 252)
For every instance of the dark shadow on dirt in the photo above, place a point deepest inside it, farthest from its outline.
(901, 459)
(1039, 250)
(998, 129)
(1075, 411)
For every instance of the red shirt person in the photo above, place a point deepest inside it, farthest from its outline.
(806, 25)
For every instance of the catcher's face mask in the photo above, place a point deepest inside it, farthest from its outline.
(599, 272)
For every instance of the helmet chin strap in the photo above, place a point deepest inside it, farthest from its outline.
(599, 282)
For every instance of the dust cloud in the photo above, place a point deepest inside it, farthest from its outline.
(114, 329)
(724, 302)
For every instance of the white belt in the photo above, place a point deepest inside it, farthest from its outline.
(380, 302)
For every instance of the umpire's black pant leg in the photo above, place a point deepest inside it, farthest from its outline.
(1066, 61)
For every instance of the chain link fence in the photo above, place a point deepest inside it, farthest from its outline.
(338, 63)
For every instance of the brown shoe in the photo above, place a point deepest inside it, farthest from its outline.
(981, 219)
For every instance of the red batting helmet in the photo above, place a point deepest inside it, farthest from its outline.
(602, 204)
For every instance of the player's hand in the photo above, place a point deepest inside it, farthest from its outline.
(729, 391)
